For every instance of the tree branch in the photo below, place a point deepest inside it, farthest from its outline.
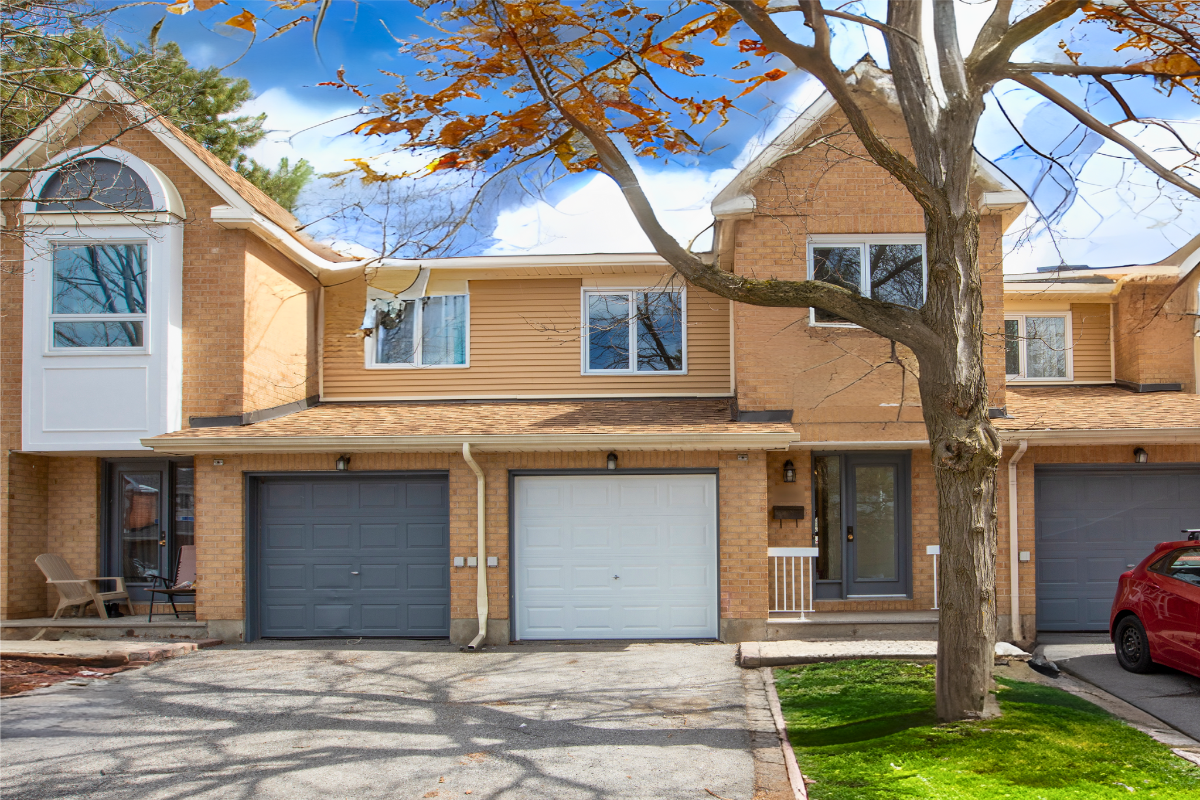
(819, 64)
(1056, 97)
(1080, 69)
(989, 58)
(870, 23)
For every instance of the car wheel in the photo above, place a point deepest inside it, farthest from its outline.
(1133, 649)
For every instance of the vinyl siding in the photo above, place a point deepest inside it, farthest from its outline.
(524, 341)
(1092, 350)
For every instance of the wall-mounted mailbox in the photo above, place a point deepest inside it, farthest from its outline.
(787, 512)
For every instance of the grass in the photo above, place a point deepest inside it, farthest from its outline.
(866, 730)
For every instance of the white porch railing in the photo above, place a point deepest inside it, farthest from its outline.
(934, 550)
(790, 570)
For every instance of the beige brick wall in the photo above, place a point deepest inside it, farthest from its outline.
(841, 382)
(1153, 345)
(73, 516)
(220, 535)
(280, 327)
(24, 523)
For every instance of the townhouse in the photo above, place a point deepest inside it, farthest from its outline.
(554, 447)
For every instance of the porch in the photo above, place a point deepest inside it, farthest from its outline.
(794, 614)
(95, 628)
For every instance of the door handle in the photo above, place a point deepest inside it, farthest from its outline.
(162, 542)
(353, 573)
(616, 577)
(849, 533)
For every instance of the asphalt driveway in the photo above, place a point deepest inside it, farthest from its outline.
(1170, 695)
(392, 720)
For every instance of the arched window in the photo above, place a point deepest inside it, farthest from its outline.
(95, 184)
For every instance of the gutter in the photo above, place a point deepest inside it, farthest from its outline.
(1014, 580)
(481, 591)
(195, 445)
(1104, 436)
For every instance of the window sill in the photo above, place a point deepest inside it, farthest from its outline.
(632, 373)
(416, 366)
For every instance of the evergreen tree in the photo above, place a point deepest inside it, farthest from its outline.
(40, 69)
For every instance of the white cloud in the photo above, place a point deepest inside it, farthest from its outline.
(298, 129)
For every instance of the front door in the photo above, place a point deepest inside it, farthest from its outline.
(861, 522)
(151, 515)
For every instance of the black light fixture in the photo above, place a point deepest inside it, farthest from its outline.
(612, 460)
(789, 472)
(343, 463)
(1140, 456)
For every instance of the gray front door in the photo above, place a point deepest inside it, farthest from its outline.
(353, 556)
(1093, 523)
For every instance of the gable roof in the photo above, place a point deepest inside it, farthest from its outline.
(1000, 193)
(247, 206)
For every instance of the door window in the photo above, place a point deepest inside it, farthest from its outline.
(151, 515)
(140, 528)
(875, 515)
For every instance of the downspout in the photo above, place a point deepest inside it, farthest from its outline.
(1014, 588)
(481, 592)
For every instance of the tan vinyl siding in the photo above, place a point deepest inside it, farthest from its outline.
(1092, 349)
(524, 341)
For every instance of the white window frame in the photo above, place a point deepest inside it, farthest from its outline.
(371, 343)
(585, 330)
(862, 242)
(1022, 342)
(53, 349)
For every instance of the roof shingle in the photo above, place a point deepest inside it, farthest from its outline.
(1080, 408)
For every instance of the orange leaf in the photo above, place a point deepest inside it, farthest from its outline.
(766, 77)
(205, 5)
(181, 7)
(380, 125)
(1170, 65)
(244, 20)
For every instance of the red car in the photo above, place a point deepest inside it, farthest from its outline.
(1156, 613)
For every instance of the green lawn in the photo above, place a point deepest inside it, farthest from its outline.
(866, 730)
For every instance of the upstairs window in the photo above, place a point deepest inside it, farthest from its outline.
(95, 184)
(641, 330)
(1035, 347)
(99, 295)
(426, 332)
(887, 268)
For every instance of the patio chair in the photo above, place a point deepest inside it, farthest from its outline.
(74, 592)
(184, 584)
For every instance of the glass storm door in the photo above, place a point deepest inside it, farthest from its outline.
(150, 517)
(876, 525)
(861, 522)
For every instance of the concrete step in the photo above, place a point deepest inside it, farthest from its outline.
(108, 629)
(833, 626)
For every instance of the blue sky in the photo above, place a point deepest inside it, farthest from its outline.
(1110, 215)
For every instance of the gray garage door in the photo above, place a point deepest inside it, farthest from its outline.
(353, 556)
(1092, 524)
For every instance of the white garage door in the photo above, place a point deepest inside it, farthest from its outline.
(616, 557)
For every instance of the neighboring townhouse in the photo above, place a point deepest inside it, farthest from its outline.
(1101, 434)
(556, 446)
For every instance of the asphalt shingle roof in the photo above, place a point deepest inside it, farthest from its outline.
(498, 418)
(1066, 408)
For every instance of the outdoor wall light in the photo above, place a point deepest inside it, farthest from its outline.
(343, 463)
(612, 460)
(789, 472)
(1140, 456)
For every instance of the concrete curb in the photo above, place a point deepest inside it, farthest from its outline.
(795, 776)
(99, 653)
(753, 655)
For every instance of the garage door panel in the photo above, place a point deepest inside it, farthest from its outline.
(1120, 516)
(354, 558)
(284, 537)
(331, 576)
(327, 496)
(639, 536)
(284, 495)
(663, 557)
(284, 576)
(1057, 529)
(381, 576)
(330, 616)
(331, 537)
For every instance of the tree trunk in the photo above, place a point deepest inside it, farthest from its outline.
(965, 452)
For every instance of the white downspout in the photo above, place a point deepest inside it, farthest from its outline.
(1014, 589)
(481, 592)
